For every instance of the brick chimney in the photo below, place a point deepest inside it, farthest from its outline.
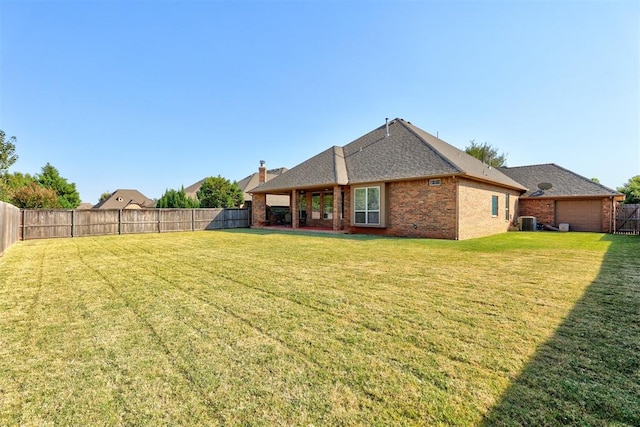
(262, 173)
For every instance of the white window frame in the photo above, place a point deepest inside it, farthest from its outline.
(381, 211)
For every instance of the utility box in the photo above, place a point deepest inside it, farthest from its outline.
(563, 227)
(527, 223)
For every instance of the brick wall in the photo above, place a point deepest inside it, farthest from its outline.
(608, 215)
(415, 209)
(543, 209)
(475, 213)
(259, 209)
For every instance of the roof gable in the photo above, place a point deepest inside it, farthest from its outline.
(120, 199)
(253, 180)
(407, 152)
(326, 168)
(564, 183)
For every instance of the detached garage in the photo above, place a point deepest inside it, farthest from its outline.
(556, 195)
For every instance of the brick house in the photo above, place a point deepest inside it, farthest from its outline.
(399, 180)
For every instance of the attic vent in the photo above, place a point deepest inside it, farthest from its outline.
(119, 199)
(434, 182)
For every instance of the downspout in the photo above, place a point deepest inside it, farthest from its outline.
(612, 216)
(457, 222)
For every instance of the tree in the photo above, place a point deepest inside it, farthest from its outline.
(176, 199)
(8, 157)
(486, 153)
(17, 180)
(68, 196)
(8, 154)
(11, 182)
(33, 196)
(104, 196)
(218, 192)
(631, 190)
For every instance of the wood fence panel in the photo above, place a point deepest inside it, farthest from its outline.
(46, 223)
(9, 226)
(96, 222)
(628, 219)
(176, 219)
(216, 219)
(139, 221)
(203, 217)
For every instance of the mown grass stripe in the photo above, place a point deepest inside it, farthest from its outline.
(245, 327)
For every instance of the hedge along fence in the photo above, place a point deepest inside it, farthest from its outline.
(9, 226)
(47, 223)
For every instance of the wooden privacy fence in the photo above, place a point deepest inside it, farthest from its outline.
(9, 226)
(628, 219)
(47, 223)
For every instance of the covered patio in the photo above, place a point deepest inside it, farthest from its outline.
(311, 209)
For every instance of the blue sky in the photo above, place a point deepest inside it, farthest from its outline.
(153, 95)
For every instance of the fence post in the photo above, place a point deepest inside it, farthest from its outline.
(73, 223)
(159, 220)
(119, 221)
(193, 219)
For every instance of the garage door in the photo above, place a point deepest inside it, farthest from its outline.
(581, 215)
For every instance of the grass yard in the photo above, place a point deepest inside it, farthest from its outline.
(247, 327)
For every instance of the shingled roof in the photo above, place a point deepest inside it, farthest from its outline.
(407, 152)
(123, 198)
(564, 183)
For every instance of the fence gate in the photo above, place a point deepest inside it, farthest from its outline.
(628, 219)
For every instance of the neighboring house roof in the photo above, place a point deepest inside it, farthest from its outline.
(122, 199)
(245, 184)
(191, 190)
(252, 181)
(407, 153)
(564, 183)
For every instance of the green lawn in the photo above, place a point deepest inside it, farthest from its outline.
(255, 328)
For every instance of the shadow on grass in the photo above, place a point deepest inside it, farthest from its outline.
(302, 232)
(588, 373)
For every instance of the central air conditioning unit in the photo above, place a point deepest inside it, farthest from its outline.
(527, 223)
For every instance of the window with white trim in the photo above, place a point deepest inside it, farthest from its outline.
(367, 206)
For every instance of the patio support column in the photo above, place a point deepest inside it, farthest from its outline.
(294, 209)
(259, 209)
(337, 208)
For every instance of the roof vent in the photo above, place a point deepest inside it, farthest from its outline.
(386, 120)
